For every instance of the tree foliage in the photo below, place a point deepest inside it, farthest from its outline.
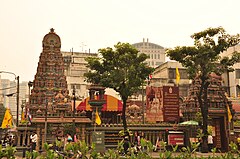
(204, 58)
(123, 68)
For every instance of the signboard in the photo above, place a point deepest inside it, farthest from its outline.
(170, 103)
(98, 137)
(176, 138)
(154, 104)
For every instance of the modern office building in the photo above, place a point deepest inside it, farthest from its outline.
(155, 52)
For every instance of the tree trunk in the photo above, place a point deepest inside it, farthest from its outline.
(124, 114)
(203, 103)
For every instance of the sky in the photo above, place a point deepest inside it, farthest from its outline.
(94, 24)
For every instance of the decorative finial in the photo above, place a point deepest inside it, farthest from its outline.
(52, 30)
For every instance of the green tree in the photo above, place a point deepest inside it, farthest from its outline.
(204, 58)
(124, 69)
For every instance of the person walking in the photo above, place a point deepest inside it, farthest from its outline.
(34, 139)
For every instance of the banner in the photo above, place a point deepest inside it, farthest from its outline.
(7, 120)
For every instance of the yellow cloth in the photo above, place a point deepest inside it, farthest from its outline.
(7, 120)
(177, 76)
(229, 114)
(98, 119)
(22, 117)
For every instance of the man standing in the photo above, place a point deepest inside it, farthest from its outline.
(210, 142)
(33, 138)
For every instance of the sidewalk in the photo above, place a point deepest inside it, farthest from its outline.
(198, 154)
(155, 155)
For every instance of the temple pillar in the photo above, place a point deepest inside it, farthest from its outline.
(83, 132)
(37, 144)
(43, 138)
(19, 138)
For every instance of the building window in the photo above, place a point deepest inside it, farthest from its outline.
(237, 73)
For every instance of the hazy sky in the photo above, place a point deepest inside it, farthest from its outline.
(98, 24)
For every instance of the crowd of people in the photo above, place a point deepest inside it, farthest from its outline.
(8, 139)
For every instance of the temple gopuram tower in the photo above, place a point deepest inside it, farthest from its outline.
(49, 79)
(49, 104)
(218, 104)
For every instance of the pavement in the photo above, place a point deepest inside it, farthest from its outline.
(155, 155)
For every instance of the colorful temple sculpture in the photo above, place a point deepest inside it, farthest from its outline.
(50, 105)
(219, 111)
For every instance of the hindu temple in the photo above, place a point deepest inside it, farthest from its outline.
(50, 105)
(218, 114)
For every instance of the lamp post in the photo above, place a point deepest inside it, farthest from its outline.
(74, 105)
(16, 78)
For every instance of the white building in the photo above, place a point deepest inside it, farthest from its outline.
(232, 80)
(155, 52)
(75, 67)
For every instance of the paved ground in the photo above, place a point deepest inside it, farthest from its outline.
(156, 155)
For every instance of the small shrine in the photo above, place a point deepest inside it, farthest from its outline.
(218, 122)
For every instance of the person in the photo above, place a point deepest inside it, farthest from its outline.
(34, 139)
(136, 138)
(75, 137)
(69, 138)
(210, 142)
(126, 144)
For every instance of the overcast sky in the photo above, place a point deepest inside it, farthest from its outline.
(94, 24)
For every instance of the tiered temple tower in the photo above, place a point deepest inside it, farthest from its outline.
(49, 85)
(50, 106)
(217, 110)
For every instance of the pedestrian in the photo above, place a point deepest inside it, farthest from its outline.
(75, 137)
(69, 138)
(210, 142)
(34, 139)
(126, 144)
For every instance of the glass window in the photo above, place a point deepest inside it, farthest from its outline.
(237, 73)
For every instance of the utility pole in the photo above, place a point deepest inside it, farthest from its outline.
(74, 105)
(17, 101)
(143, 108)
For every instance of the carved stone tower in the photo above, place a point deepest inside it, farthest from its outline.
(49, 85)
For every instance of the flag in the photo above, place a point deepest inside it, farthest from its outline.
(150, 76)
(229, 113)
(29, 117)
(177, 76)
(98, 119)
(22, 117)
(7, 120)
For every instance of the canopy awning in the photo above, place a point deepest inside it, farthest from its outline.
(112, 104)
